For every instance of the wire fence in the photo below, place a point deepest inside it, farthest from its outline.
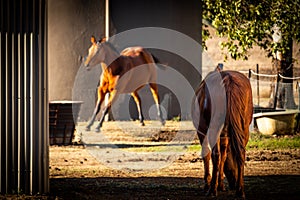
(275, 90)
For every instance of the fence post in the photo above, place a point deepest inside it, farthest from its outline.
(257, 87)
(298, 84)
(276, 91)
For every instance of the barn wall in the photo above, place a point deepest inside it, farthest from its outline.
(70, 26)
(72, 22)
(24, 142)
(182, 16)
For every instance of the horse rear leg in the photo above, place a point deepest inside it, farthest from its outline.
(137, 100)
(240, 182)
(216, 157)
(206, 155)
(207, 176)
(154, 90)
(224, 141)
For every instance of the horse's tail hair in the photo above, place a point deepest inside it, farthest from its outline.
(237, 103)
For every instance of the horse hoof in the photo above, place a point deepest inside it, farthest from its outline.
(221, 188)
(163, 122)
(87, 128)
(211, 193)
(142, 124)
(97, 130)
(206, 188)
(240, 195)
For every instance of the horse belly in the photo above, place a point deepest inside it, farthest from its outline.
(134, 79)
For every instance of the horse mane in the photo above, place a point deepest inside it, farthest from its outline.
(110, 45)
(112, 59)
(237, 103)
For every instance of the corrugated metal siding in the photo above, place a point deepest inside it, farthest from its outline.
(24, 141)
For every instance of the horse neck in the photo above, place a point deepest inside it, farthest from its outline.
(110, 54)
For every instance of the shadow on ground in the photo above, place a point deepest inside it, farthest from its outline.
(256, 187)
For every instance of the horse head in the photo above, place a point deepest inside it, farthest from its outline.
(95, 53)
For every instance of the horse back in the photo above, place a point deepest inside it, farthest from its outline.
(136, 56)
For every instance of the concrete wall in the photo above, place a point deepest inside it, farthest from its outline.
(72, 22)
(70, 25)
(257, 56)
(182, 16)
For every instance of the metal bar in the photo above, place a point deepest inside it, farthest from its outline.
(20, 111)
(8, 112)
(276, 91)
(27, 116)
(15, 80)
(14, 111)
(257, 81)
(1, 111)
(107, 19)
(44, 82)
(32, 114)
(249, 74)
(298, 85)
(43, 48)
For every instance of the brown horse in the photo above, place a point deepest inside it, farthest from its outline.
(222, 114)
(124, 72)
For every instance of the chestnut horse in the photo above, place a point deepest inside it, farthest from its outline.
(222, 114)
(124, 72)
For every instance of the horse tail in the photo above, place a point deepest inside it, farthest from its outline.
(237, 110)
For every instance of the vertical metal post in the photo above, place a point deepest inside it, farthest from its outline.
(276, 91)
(298, 85)
(107, 37)
(107, 19)
(257, 85)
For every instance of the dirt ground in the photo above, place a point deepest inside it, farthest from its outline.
(85, 171)
(76, 174)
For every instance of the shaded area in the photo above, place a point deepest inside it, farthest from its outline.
(76, 174)
(257, 187)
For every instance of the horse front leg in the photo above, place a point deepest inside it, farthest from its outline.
(100, 99)
(106, 109)
(137, 100)
(154, 91)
